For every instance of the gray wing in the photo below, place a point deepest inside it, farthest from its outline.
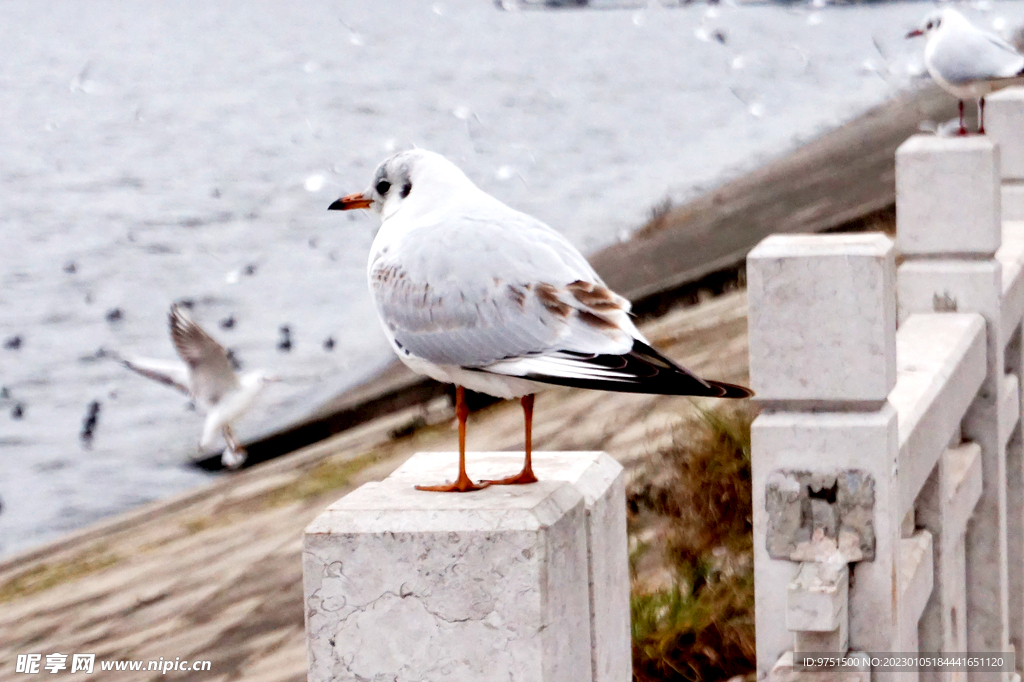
(210, 372)
(973, 55)
(492, 287)
(168, 372)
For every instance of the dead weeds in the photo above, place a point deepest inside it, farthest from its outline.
(690, 526)
(43, 576)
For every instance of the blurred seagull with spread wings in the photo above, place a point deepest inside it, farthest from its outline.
(965, 61)
(205, 375)
(474, 293)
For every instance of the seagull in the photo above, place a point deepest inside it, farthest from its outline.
(474, 293)
(205, 374)
(965, 61)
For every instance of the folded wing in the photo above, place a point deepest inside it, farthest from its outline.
(974, 55)
(519, 300)
(478, 292)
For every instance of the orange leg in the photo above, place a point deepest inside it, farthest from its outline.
(526, 475)
(462, 483)
(981, 116)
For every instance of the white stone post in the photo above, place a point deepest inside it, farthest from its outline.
(944, 506)
(1005, 125)
(949, 228)
(511, 582)
(1015, 499)
(823, 361)
(1004, 116)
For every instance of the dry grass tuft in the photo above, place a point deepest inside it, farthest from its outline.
(658, 216)
(326, 477)
(690, 524)
(44, 576)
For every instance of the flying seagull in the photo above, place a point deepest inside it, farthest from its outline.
(474, 293)
(205, 374)
(965, 61)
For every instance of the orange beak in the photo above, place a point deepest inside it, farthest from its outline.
(347, 203)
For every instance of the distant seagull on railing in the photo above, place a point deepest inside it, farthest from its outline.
(967, 62)
(206, 375)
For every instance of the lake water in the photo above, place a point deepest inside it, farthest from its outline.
(157, 151)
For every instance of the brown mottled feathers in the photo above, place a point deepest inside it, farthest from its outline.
(548, 296)
(596, 296)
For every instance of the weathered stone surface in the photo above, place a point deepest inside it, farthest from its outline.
(462, 585)
(916, 579)
(822, 318)
(1012, 201)
(812, 516)
(1003, 116)
(942, 364)
(784, 496)
(977, 286)
(823, 517)
(1011, 260)
(601, 481)
(817, 599)
(1009, 397)
(808, 641)
(948, 196)
(797, 443)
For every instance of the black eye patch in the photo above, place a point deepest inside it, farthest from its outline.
(406, 188)
(382, 187)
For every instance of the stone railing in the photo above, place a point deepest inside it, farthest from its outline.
(526, 582)
(887, 462)
(888, 475)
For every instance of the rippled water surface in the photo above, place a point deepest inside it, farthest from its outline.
(158, 151)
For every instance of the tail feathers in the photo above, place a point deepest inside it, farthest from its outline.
(641, 370)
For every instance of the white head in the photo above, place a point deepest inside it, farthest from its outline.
(406, 178)
(935, 20)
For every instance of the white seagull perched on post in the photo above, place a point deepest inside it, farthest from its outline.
(965, 61)
(206, 375)
(473, 293)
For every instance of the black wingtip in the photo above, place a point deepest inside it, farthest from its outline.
(732, 390)
(686, 382)
(644, 370)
